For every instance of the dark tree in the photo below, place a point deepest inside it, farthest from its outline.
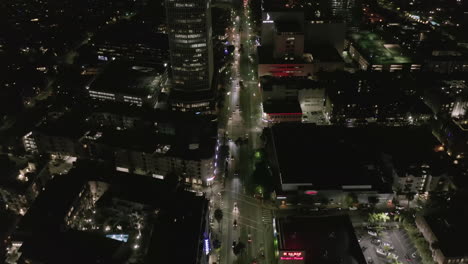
(218, 215)
(216, 244)
(238, 248)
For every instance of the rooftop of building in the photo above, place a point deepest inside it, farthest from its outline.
(288, 27)
(69, 125)
(293, 83)
(178, 219)
(75, 247)
(324, 53)
(188, 144)
(313, 54)
(330, 157)
(449, 230)
(129, 78)
(376, 51)
(282, 107)
(312, 9)
(150, 114)
(327, 240)
(128, 32)
(195, 97)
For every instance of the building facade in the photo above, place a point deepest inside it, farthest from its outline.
(190, 46)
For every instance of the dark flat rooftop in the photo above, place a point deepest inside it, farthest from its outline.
(309, 7)
(178, 222)
(69, 125)
(127, 32)
(128, 78)
(326, 240)
(75, 247)
(201, 96)
(324, 54)
(148, 142)
(293, 83)
(288, 27)
(279, 107)
(330, 156)
(449, 231)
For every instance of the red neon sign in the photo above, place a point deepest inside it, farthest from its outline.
(292, 256)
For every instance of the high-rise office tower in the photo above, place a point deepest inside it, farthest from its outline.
(191, 52)
(347, 10)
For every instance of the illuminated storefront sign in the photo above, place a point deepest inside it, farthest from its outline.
(292, 256)
(118, 237)
(207, 246)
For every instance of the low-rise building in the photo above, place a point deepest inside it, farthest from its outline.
(324, 164)
(132, 41)
(315, 107)
(128, 82)
(306, 240)
(310, 94)
(282, 111)
(448, 98)
(97, 215)
(156, 155)
(307, 64)
(155, 143)
(372, 53)
(445, 235)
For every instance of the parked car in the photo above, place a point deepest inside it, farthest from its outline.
(380, 252)
(376, 241)
(372, 233)
(388, 245)
(392, 255)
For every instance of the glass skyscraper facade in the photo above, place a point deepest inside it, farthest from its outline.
(191, 52)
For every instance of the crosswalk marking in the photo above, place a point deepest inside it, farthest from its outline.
(266, 215)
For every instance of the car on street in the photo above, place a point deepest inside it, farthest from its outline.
(234, 243)
(372, 233)
(234, 224)
(249, 238)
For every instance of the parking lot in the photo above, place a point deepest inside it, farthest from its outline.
(393, 240)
